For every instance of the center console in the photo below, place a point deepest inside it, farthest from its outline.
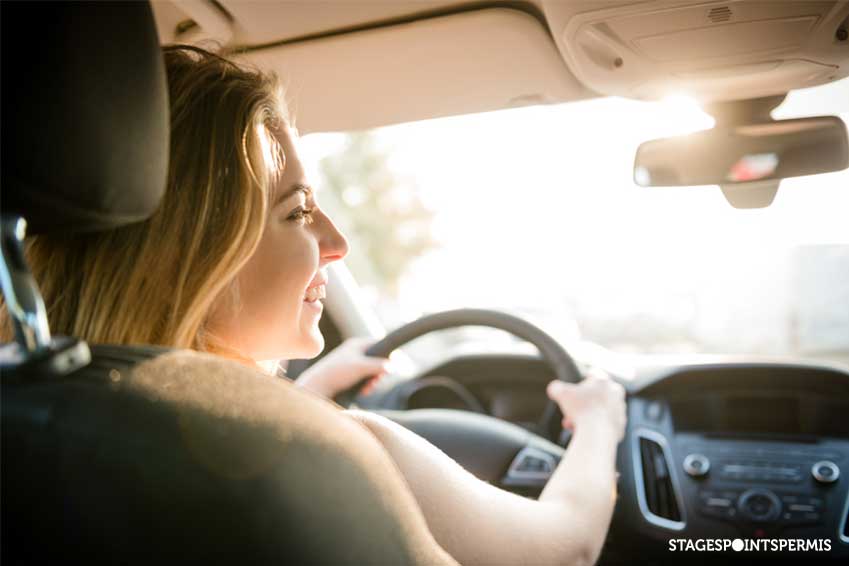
(729, 460)
(761, 486)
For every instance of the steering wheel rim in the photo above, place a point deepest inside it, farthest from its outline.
(552, 352)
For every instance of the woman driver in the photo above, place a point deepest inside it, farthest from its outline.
(232, 263)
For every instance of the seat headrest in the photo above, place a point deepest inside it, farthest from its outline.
(85, 121)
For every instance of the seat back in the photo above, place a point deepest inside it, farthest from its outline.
(187, 458)
(138, 454)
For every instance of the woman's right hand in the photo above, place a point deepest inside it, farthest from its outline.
(596, 399)
(344, 367)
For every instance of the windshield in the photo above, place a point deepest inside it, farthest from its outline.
(534, 211)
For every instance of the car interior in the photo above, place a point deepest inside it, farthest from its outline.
(134, 454)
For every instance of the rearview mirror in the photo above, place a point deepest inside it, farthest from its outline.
(747, 153)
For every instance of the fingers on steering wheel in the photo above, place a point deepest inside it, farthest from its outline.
(368, 365)
(371, 384)
(555, 389)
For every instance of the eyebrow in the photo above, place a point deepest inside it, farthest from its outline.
(297, 187)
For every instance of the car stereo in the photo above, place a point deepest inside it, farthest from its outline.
(786, 487)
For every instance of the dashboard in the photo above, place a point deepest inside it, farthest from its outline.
(731, 450)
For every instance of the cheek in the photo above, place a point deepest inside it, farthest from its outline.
(271, 291)
(281, 269)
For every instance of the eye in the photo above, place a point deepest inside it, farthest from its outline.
(302, 215)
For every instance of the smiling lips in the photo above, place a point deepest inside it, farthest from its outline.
(315, 293)
(317, 289)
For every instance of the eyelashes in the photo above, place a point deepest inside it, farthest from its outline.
(302, 215)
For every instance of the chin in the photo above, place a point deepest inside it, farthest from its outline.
(304, 345)
(312, 344)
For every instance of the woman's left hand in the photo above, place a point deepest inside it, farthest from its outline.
(344, 367)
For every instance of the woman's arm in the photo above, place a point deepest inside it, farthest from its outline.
(478, 523)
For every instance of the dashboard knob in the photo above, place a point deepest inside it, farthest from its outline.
(696, 465)
(825, 471)
(759, 505)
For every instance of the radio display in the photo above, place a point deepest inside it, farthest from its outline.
(715, 413)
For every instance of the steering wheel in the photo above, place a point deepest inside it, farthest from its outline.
(553, 353)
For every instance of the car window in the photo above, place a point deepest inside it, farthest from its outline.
(534, 211)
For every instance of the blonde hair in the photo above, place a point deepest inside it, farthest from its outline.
(155, 282)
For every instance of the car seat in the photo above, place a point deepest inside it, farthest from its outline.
(142, 454)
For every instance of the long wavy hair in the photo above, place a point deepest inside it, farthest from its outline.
(155, 282)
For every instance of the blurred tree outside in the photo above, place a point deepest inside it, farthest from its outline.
(384, 218)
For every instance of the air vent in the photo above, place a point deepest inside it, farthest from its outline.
(657, 482)
(720, 14)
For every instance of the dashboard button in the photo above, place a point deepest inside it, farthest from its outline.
(718, 504)
(696, 465)
(724, 513)
(801, 518)
(759, 505)
(817, 502)
(825, 471)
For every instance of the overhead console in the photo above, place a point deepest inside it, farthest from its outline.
(740, 450)
(711, 50)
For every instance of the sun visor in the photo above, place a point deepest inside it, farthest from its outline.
(466, 62)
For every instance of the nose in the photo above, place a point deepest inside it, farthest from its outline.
(332, 244)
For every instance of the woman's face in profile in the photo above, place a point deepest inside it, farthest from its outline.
(280, 288)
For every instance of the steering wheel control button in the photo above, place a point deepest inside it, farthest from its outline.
(533, 464)
(825, 471)
(530, 468)
(760, 505)
(696, 465)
